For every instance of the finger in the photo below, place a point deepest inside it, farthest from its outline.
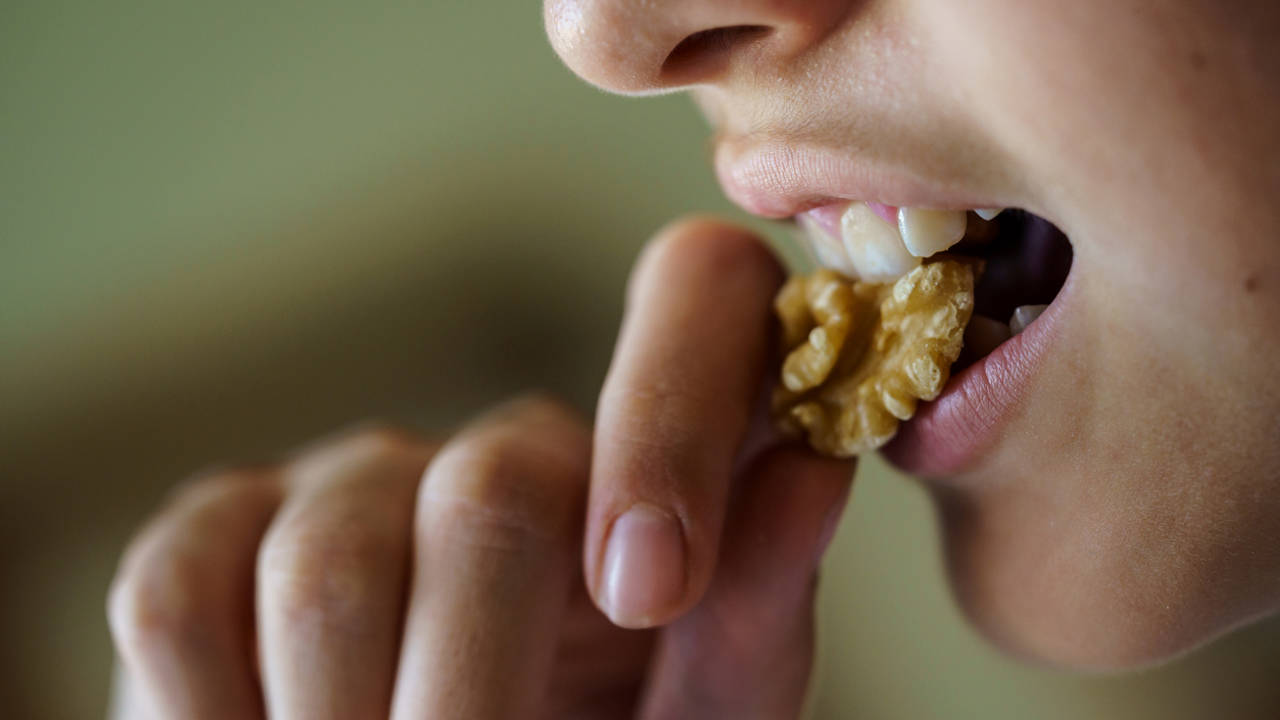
(600, 668)
(181, 606)
(746, 651)
(672, 415)
(126, 702)
(499, 514)
(332, 574)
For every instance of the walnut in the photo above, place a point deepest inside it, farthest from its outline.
(860, 356)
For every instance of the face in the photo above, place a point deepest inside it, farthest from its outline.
(1107, 480)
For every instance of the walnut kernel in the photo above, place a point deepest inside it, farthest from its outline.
(860, 356)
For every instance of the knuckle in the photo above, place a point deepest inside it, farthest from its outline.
(372, 451)
(376, 439)
(159, 595)
(497, 487)
(324, 576)
(155, 600)
(543, 405)
(222, 484)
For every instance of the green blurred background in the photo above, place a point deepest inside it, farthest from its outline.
(227, 227)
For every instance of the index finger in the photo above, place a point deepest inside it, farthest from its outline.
(672, 414)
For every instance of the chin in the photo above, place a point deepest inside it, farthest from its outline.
(1089, 596)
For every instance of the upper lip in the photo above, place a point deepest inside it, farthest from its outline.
(777, 179)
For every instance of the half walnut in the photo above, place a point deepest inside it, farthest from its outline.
(860, 356)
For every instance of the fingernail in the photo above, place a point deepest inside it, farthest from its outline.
(644, 570)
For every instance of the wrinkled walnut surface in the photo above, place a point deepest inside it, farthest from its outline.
(860, 356)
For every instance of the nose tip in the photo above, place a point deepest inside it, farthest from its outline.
(597, 42)
(647, 46)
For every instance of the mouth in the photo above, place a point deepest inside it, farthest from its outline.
(1019, 300)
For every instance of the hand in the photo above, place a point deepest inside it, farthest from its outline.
(382, 575)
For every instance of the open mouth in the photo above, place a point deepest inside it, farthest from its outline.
(1026, 259)
(1025, 264)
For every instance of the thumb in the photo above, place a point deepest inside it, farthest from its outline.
(747, 649)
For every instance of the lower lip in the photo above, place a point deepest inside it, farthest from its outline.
(950, 435)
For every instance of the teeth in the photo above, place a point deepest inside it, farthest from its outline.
(828, 251)
(874, 247)
(925, 232)
(869, 248)
(1024, 316)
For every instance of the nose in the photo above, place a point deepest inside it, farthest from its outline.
(650, 46)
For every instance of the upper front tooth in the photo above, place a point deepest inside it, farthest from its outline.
(988, 213)
(925, 232)
(828, 251)
(1024, 315)
(874, 247)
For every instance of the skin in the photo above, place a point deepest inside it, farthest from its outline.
(372, 575)
(1126, 513)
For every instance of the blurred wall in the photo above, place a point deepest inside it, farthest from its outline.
(227, 227)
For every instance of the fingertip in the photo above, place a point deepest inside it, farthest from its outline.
(702, 224)
(716, 244)
(707, 244)
(644, 577)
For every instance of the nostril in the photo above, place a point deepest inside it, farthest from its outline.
(706, 52)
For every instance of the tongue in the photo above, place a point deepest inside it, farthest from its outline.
(1026, 265)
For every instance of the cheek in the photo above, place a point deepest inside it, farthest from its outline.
(1129, 512)
(1061, 89)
